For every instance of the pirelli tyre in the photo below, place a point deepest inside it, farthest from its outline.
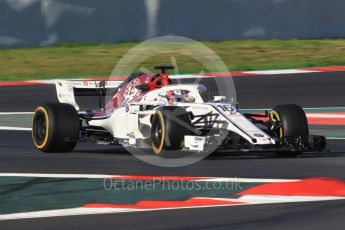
(293, 124)
(55, 127)
(169, 126)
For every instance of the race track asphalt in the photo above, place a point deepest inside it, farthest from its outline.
(17, 154)
(264, 91)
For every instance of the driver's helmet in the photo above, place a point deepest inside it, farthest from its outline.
(158, 81)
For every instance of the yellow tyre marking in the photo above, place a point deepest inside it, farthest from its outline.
(161, 120)
(41, 146)
(276, 117)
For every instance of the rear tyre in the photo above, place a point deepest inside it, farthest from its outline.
(55, 127)
(169, 126)
(294, 124)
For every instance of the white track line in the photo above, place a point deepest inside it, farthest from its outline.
(62, 212)
(321, 108)
(265, 199)
(86, 176)
(335, 138)
(102, 176)
(88, 211)
(14, 128)
(16, 113)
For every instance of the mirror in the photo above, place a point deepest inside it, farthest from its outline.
(143, 87)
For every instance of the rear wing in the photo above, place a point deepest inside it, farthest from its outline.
(67, 90)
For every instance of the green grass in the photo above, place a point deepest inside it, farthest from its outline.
(98, 60)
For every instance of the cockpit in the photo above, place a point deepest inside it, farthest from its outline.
(178, 95)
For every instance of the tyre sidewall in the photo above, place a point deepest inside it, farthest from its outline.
(63, 127)
(177, 124)
(293, 119)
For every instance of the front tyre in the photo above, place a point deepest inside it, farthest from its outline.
(294, 124)
(169, 126)
(55, 127)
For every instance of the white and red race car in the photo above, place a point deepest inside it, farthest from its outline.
(147, 111)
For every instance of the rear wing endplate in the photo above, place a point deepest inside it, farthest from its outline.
(67, 90)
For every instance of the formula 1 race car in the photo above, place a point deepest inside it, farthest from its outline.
(149, 111)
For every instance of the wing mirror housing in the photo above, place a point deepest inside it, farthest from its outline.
(143, 87)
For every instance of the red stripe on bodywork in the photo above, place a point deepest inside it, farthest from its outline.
(154, 204)
(307, 187)
(160, 178)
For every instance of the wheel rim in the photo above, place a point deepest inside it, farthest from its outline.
(40, 128)
(157, 135)
(275, 117)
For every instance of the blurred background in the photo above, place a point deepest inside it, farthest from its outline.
(48, 22)
(80, 38)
